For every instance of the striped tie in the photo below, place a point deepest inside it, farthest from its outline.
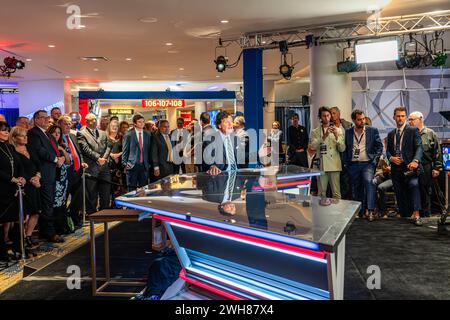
(230, 155)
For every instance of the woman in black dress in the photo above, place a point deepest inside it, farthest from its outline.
(114, 161)
(11, 175)
(32, 167)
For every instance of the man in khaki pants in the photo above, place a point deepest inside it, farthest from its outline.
(328, 141)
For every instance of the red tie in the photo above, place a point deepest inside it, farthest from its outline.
(141, 158)
(76, 160)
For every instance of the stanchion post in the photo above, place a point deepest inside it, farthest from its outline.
(21, 223)
(83, 178)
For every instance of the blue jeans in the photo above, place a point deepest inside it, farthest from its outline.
(363, 189)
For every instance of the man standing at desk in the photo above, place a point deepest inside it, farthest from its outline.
(404, 151)
(178, 137)
(220, 149)
(162, 151)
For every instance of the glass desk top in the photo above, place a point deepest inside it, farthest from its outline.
(273, 199)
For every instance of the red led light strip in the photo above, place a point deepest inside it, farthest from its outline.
(208, 287)
(317, 254)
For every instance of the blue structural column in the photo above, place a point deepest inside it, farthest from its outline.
(253, 97)
(253, 89)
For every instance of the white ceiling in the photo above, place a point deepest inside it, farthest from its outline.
(113, 30)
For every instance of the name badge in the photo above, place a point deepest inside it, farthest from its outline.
(356, 153)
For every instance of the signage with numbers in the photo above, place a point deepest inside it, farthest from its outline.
(163, 103)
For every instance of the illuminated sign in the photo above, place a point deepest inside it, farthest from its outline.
(163, 103)
(121, 111)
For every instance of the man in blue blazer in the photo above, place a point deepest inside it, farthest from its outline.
(404, 151)
(136, 154)
(363, 149)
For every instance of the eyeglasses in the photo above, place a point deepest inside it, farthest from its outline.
(413, 119)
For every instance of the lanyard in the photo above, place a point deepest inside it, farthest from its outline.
(360, 138)
(401, 136)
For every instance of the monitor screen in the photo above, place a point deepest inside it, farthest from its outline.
(446, 157)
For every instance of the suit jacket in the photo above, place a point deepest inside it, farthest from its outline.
(42, 147)
(297, 139)
(213, 156)
(92, 149)
(331, 161)
(213, 187)
(131, 152)
(159, 154)
(374, 146)
(411, 146)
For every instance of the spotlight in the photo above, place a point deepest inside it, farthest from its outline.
(439, 59)
(221, 63)
(284, 48)
(11, 65)
(401, 63)
(285, 68)
(348, 64)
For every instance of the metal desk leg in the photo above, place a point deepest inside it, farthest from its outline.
(336, 271)
(93, 260)
(106, 238)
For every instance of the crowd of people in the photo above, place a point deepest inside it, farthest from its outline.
(48, 156)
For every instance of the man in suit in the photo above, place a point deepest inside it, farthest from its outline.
(328, 141)
(205, 122)
(178, 137)
(136, 153)
(75, 172)
(162, 151)
(40, 142)
(298, 143)
(220, 150)
(404, 151)
(363, 149)
(95, 152)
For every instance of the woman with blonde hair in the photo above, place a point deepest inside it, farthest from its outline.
(32, 174)
(115, 142)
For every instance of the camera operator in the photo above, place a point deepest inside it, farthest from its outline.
(404, 151)
(431, 162)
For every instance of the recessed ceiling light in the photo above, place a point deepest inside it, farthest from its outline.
(128, 59)
(28, 60)
(148, 20)
(94, 59)
(95, 69)
(217, 76)
(181, 69)
(169, 44)
(51, 46)
(264, 68)
(224, 21)
(264, 42)
(145, 77)
(67, 77)
(81, 26)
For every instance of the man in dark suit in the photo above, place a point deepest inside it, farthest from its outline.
(136, 153)
(363, 149)
(205, 122)
(404, 151)
(178, 137)
(221, 151)
(39, 141)
(95, 151)
(162, 151)
(298, 143)
(75, 172)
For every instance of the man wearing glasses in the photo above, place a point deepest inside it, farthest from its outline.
(431, 162)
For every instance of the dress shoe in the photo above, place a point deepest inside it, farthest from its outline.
(371, 216)
(56, 239)
(418, 222)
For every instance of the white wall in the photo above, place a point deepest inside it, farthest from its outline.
(41, 94)
(292, 91)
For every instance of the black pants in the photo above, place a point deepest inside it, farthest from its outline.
(137, 177)
(427, 181)
(60, 218)
(98, 187)
(76, 196)
(176, 168)
(299, 159)
(46, 218)
(162, 273)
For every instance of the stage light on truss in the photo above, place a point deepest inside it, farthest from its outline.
(376, 51)
(221, 63)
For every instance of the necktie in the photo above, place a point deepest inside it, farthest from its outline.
(73, 152)
(397, 141)
(141, 145)
(169, 148)
(228, 194)
(230, 155)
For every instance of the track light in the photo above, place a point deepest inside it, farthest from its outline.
(221, 63)
(11, 65)
(348, 64)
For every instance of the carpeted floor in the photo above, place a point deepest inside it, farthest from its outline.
(414, 262)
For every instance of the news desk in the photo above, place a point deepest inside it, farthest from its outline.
(252, 233)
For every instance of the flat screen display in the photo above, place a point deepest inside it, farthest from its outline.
(446, 156)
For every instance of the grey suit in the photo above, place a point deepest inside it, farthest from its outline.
(98, 182)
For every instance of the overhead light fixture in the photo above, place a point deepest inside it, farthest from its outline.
(96, 69)
(145, 77)
(51, 46)
(28, 59)
(169, 44)
(376, 51)
(148, 20)
(128, 59)
(11, 65)
(221, 63)
(285, 68)
(224, 21)
(181, 69)
(439, 57)
(348, 63)
(410, 58)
